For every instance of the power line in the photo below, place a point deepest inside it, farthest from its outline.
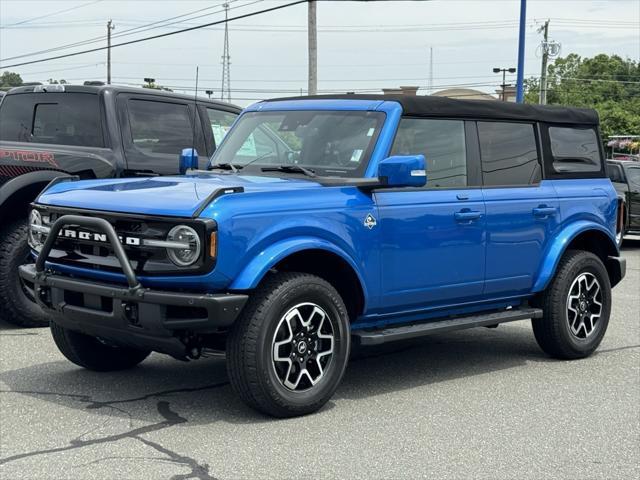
(161, 35)
(50, 14)
(124, 33)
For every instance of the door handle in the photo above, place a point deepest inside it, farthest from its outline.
(543, 211)
(467, 215)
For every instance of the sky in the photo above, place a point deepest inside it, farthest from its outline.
(361, 46)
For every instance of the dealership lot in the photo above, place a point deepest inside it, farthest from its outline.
(482, 403)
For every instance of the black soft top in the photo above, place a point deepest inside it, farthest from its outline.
(431, 106)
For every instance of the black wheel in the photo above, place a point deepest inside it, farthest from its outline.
(93, 354)
(17, 305)
(576, 305)
(288, 351)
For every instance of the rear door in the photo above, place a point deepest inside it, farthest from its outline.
(522, 210)
(155, 129)
(432, 238)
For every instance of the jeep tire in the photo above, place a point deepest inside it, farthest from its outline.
(16, 305)
(287, 352)
(576, 306)
(91, 353)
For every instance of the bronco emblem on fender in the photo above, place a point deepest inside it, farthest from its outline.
(370, 221)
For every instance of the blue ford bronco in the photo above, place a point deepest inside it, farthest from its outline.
(326, 221)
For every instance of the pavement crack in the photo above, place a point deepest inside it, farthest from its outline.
(170, 419)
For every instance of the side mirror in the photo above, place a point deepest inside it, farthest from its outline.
(403, 171)
(188, 160)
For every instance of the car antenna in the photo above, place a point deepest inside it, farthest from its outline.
(195, 113)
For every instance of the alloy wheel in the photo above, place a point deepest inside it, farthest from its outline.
(303, 346)
(584, 305)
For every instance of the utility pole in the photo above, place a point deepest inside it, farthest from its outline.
(110, 27)
(226, 59)
(545, 59)
(430, 70)
(312, 88)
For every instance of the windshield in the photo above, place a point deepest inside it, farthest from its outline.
(331, 143)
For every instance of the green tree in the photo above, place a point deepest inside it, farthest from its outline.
(52, 81)
(10, 79)
(607, 83)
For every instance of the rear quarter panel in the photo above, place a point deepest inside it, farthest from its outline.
(585, 204)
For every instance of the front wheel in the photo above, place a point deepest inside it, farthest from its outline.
(288, 351)
(92, 353)
(576, 305)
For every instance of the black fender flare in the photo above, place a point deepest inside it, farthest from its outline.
(18, 183)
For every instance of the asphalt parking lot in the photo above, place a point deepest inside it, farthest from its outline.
(482, 403)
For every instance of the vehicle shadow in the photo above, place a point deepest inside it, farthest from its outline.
(201, 393)
(631, 243)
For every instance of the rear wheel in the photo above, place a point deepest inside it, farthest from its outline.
(17, 305)
(287, 353)
(93, 354)
(576, 305)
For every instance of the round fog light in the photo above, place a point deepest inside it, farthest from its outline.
(183, 257)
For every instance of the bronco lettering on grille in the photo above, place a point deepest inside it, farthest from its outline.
(97, 237)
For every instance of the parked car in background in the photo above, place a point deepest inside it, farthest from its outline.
(289, 250)
(51, 131)
(625, 176)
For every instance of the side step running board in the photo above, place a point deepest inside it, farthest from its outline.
(391, 334)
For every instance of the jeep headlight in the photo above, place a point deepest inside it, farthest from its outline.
(186, 248)
(37, 233)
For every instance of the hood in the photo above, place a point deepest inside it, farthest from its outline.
(165, 196)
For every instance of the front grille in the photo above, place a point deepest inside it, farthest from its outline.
(85, 248)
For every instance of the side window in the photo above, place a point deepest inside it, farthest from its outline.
(614, 172)
(574, 149)
(442, 142)
(220, 122)
(61, 119)
(160, 127)
(509, 153)
(633, 174)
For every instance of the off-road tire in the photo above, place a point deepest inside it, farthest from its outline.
(552, 331)
(250, 363)
(90, 353)
(15, 306)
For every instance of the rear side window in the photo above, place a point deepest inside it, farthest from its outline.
(160, 127)
(220, 123)
(52, 118)
(509, 153)
(442, 142)
(574, 149)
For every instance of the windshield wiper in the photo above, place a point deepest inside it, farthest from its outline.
(290, 169)
(224, 166)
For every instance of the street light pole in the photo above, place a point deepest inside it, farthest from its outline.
(504, 79)
(520, 81)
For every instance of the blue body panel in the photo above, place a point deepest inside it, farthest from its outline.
(433, 252)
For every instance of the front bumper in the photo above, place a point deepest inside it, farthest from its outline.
(129, 315)
(139, 317)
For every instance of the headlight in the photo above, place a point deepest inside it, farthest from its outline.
(189, 251)
(37, 230)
